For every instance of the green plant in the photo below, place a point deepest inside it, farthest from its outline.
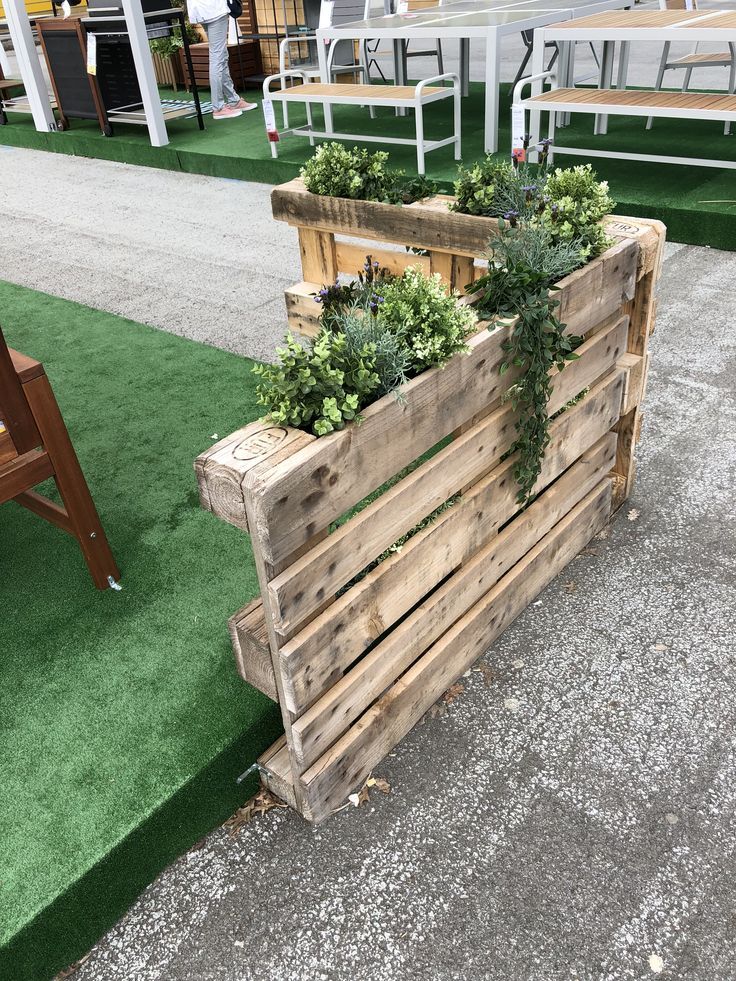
(574, 203)
(537, 344)
(490, 187)
(337, 171)
(523, 246)
(361, 294)
(319, 388)
(432, 323)
(391, 359)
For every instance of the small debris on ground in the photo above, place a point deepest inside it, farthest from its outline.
(632, 515)
(569, 587)
(72, 969)
(659, 646)
(603, 534)
(671, 819)
(379, 783)
(263, 802)
(512, 704)
(590, 551)
(487, 671)
(363, 795)
(453, 692)
(656, 964)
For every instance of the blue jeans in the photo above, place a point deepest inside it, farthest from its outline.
(221, 84)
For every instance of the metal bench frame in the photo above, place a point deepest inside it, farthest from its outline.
(558, 110)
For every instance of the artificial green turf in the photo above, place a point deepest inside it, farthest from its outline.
(123, 723)
(688, 199)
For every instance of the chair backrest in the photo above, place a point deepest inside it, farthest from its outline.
(678, 4)
(346, 11)
(14, 409)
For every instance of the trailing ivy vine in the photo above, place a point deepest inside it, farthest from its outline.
(537, 343)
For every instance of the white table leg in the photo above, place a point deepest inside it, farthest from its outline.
(465, 65)
(493, 78)
(623, 65)
(604, 82)
(324, 75)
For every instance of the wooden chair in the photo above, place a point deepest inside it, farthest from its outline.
(35, 445)
(7, 87)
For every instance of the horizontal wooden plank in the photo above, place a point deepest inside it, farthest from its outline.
(322, 571)
(598, 290)
(23, 472)
(329, 717)
(46, 509)
(351, 257)
(317, 657)
(250, 645)
(221, 470)
(346, 765)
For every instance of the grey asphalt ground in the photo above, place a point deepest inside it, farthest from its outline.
(572, 813)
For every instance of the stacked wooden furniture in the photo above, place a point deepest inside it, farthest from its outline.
(34, 446)
(357, 654)
(244, 61)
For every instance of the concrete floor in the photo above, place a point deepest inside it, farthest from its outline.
(572, 814)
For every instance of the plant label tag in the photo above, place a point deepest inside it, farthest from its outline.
(66, 8)
(518, 151)
(403, 7)
(270, 117)
(91, 54)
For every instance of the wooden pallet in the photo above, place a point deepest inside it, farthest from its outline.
(357, 658)
(453, 245)
(242, 65)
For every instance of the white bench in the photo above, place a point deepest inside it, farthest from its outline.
(414, 97)
(627, 102)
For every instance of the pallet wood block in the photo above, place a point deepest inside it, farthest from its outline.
(359, 653)
(249, 637)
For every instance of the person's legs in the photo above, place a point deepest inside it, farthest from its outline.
(217, 37)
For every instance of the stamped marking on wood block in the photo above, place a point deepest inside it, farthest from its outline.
(260, 444)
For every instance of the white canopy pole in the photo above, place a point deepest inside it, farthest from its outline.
(136, 27)
(29, 65)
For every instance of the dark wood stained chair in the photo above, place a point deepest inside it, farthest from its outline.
(8, 88)
(35, 445)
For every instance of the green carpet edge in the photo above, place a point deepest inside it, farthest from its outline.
(73, 922)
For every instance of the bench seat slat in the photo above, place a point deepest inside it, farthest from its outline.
(636, 102)
(358, 94)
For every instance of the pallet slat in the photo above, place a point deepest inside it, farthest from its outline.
(348, 550)
(328, 718)
(318, 655)
(348, 763)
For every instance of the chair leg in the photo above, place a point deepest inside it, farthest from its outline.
(365, 62)
(731, 91)
(310, 124)
(458, 121)
(440, 59)
(524, 60)
(419, 122)
(72, 486)
(660, 75)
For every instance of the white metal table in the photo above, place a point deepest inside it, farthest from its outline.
(624, 27)
(489, 20)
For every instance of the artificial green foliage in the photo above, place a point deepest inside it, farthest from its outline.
(431, 321)
(340, 172)
(575, 202)
(490, 188)
(536, 345)
(319, 388)
(361, 294)
(530, 247)
(391, 358)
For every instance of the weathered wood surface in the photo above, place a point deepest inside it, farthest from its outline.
(249, 636)
(328, 718)
(428, 224)
(346, 765)
(356, 543)
(221, 470)
(325, 648)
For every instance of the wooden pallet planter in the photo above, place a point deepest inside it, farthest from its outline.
(453, 243)
(356, 659)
